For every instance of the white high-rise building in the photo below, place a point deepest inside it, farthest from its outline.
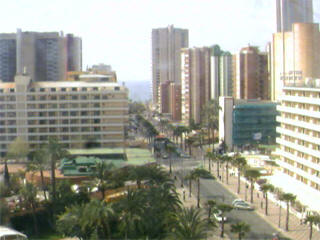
(299, 141)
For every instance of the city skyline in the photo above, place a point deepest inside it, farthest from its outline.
(124, 33)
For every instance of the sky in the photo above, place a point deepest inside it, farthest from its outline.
(118, 32)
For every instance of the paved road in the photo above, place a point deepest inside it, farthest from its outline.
(210, 189)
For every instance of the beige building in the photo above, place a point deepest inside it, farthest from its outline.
(299, 141)
(166, 61)
(250, 74)
(170, 100)
(294, 56)
(75, 112)
(195, 82)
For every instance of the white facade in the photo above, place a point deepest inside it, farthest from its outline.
(299, 131)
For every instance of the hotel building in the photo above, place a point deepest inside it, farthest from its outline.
(75, 112)
(299, 141)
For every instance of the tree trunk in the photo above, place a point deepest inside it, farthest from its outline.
(218, 172)
(198, 195)
(209, 160)
(310, 234)
(106, 230)
(279, 222)
(53, 179)
(35, 222)
(190, 186)
(170, 167)
(251, 197)
(42, 183)
(227, 172)
(266, 204)
(213, 138)
(222, 226)
(239, 235)
(287, 217)
(238, 190)
(246, 192)
(221, 172)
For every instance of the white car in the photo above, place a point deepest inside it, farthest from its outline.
(218, 217)
(242, 205)
(237, 200)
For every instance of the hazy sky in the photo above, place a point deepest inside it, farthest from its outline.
(118, 32)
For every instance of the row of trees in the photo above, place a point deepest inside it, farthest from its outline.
(252, 175)
(150, 211)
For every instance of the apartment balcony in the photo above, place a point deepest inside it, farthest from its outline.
(299, 172)
(300, 160)
(298, 99)
(297, 147)
(298, 135)
(298, 111)
(297, 123)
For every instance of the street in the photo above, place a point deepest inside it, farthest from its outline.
(213, 190)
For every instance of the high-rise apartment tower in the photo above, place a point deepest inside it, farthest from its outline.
(166, 60)
(44, 56)
(293, 11)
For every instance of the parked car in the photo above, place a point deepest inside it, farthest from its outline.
(242, 205)
(218, 216)
(165, 156)
(237, 200)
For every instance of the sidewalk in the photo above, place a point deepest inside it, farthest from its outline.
(296, 231)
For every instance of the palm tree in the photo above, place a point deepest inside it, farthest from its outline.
(156, 176)
(210, 116)
(98, 214)
(188, 224)
(280, 198)
(55, 152)
(211, 206)
(102, 172)
(312, 219)
(239, 163)
(4, 212)
(190, 177)
(241, 228)
(252, 175)
(265, 188)
(189, 141)
(210, 155)
(38, 162)
(288, 198)
(224, 208)
(227, 160)
(130, 211)
(171, 150)
(200, 173)
(29, 194)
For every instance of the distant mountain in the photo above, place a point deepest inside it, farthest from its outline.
(139, 90)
